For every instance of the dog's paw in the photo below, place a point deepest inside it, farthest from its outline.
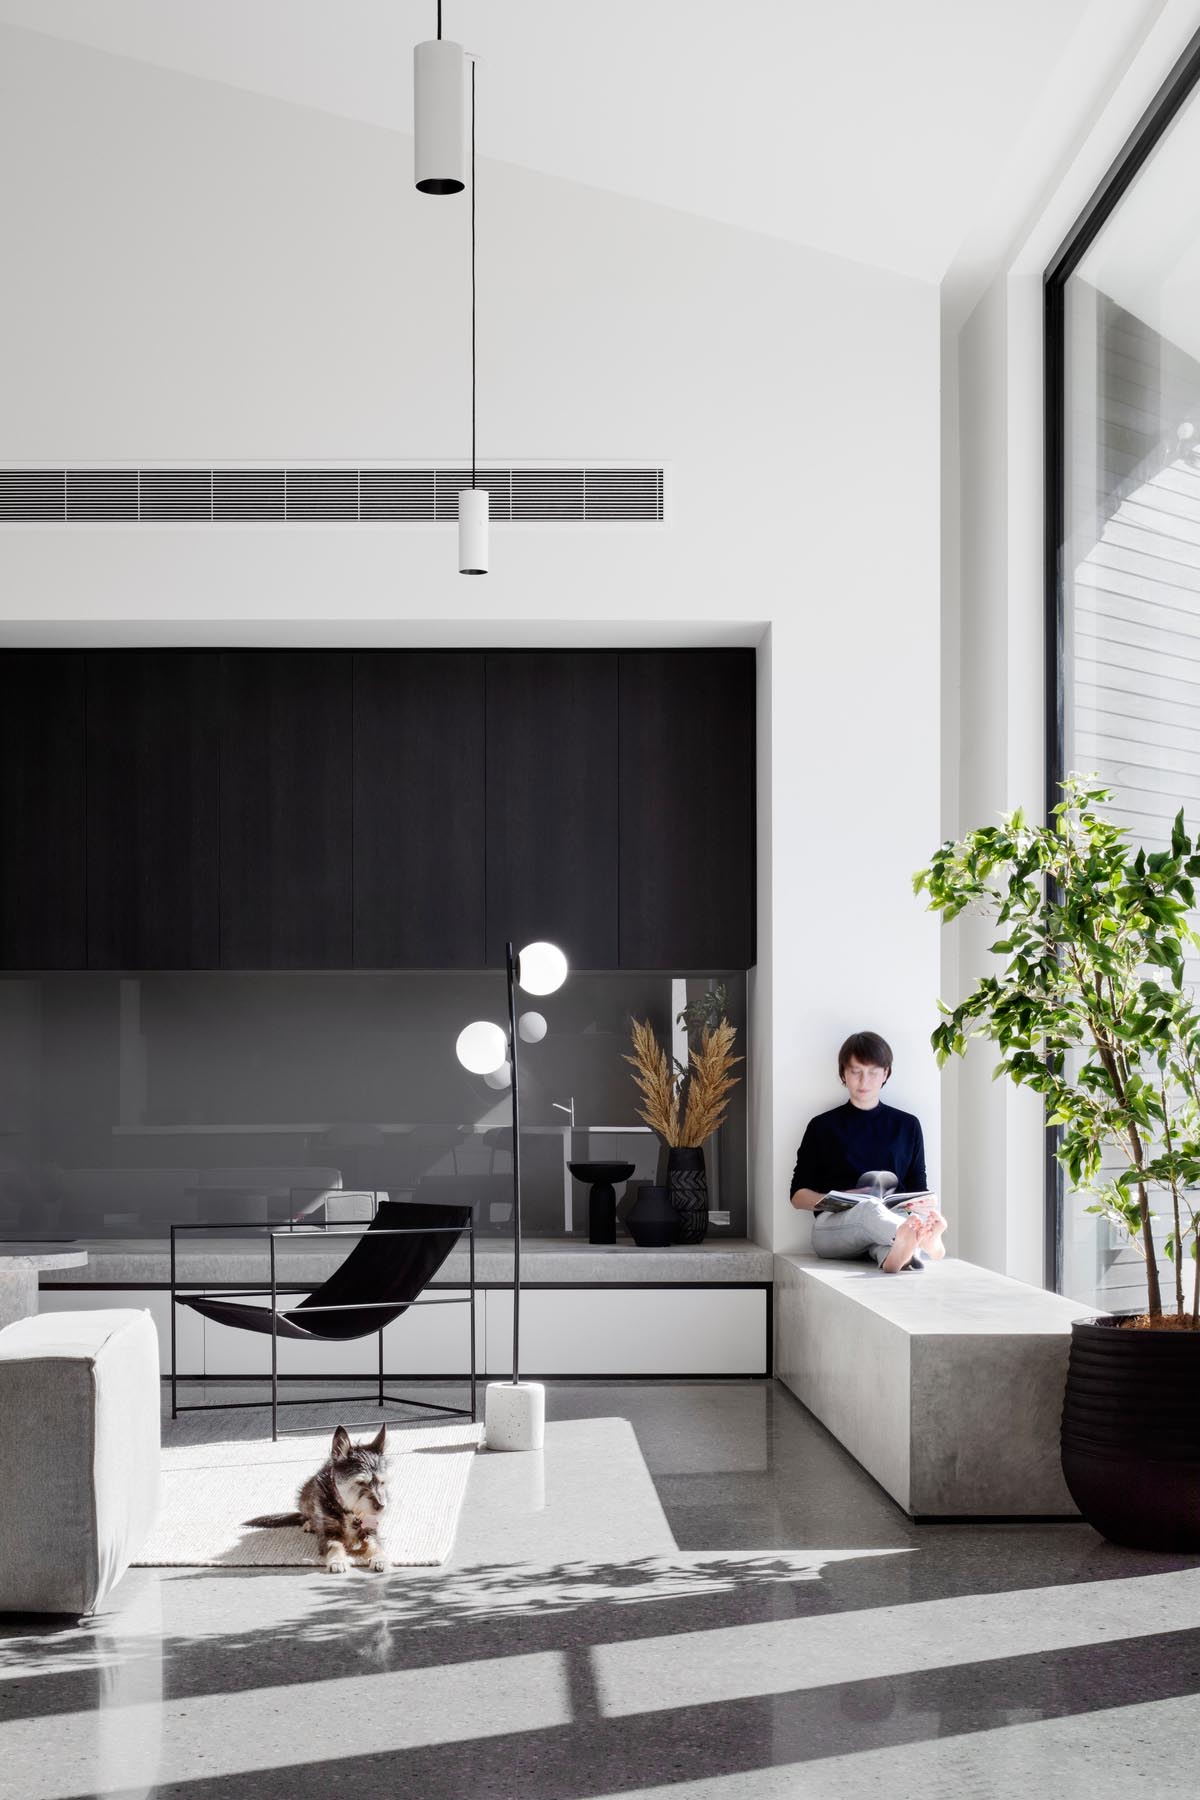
(307, 1525)
(379, 1564)
(337, 1565)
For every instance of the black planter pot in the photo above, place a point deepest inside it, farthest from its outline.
(652, 1221)
(1131, 1433)
(688, 1184)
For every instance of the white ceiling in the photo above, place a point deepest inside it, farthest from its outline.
(873, 129)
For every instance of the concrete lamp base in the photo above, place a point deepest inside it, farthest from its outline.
(515, 1415)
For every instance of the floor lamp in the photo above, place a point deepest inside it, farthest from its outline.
(514, 1411)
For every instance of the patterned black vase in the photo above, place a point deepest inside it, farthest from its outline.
(689, 1191)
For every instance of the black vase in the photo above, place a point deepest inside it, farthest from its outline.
(689, 1191)
(652, 1221)
(1131, 1433)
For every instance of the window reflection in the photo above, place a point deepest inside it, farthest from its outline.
(127, 1103)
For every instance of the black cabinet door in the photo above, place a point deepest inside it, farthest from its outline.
(418, 809)
(41, 810)
(152, 789)
(286, 821)
(552, 803)
(687, 809)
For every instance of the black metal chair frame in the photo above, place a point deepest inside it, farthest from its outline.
(179, 1292)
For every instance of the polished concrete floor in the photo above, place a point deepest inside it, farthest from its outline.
(745, 1615)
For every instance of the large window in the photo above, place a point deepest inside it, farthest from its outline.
(1123, 464)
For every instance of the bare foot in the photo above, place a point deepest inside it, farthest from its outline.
(904, 1246)
(931, 1238)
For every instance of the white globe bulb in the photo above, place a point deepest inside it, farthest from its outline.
(482, 1047)
(532, 1027)
(500, 1078)
(543, 968)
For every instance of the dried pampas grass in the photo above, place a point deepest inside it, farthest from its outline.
(652, 1073)
(709, 1081)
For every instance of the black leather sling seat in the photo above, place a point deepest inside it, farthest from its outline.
(378, 1281)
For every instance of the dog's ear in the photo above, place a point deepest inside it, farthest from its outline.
(341, 1443)
(379, 1443)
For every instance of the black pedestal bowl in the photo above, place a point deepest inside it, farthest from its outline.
(602, 1202)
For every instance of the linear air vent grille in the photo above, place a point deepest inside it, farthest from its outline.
(173, 494)
(254, 495)
(102, 494)
(322, 493)
(498, 482)
(610, 496)
(33, 494)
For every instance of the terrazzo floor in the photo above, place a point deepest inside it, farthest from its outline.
(718, 1604)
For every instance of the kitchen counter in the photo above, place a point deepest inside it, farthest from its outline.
(21, 1267)
(308, 1259)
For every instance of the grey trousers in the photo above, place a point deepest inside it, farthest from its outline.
(867, 1229)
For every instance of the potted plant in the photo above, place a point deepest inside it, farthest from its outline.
(686, 1105)
(1088, 1005)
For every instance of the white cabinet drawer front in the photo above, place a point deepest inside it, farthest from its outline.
(630, 1331)
(189, 1326)
(425, 1340)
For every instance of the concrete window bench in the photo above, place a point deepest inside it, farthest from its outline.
(946, 1385)
(691, 1310)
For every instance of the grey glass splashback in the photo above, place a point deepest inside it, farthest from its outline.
(127, 1103)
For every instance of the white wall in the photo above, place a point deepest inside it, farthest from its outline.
(210, 276)
(998, 1129)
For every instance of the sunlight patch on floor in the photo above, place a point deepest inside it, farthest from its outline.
(222, 1735)
(1100, 1755)
(782, 1656)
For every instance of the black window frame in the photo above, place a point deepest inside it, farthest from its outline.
(1151, 128)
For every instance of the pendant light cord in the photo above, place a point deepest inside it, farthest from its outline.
(472, 268)
(439, 7)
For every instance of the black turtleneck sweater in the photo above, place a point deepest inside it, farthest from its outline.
(841, 1145)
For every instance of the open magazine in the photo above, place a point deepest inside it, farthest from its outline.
(875, 1184)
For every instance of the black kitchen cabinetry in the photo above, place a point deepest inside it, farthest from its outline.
(687, 890)
(552, 828)
(286, 816)
(152, 809)
(42, 891)
(279, 809)
(418, 809)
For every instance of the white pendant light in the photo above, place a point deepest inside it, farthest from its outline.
(473, 501)
(440, 152)
(473, 532)
(439, 115)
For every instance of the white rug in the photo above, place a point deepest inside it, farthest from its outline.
(209, 1490)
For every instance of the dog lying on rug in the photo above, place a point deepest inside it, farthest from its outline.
(342, 1504)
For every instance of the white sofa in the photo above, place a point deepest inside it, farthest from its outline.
(79, 1455)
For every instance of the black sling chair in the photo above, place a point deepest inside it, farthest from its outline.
(395, 1257)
